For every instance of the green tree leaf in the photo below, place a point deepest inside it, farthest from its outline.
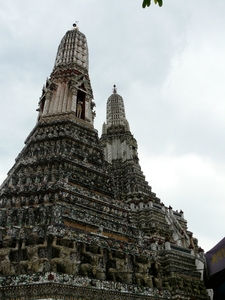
(160, 2)
(146, 3)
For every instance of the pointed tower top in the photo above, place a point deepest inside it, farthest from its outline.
(75, 27)
(115, 111)
(73, 49)
(68, 91)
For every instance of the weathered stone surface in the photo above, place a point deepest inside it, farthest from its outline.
(78, 220)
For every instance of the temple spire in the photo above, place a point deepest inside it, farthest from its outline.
(120, 150)
(68, 91)
(116, 112)
(117, 139)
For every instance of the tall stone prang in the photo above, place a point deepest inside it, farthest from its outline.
(78, 220)
(120, 151)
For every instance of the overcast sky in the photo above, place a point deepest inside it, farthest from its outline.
(169, 66)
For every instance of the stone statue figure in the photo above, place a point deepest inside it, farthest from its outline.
(34, 264)
(142, 266)
(64, 259)
(92, 268)
(117, 270)
(79, 108)
(6, 266)
(156, 279)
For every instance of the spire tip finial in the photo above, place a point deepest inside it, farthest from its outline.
(114, 89)
(75, 27)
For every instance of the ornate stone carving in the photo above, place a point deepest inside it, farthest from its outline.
(65, 260)
(6, 266)
(142, 270)
(118, 267)
(34, 263)
(157, 281)
(91, 267)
